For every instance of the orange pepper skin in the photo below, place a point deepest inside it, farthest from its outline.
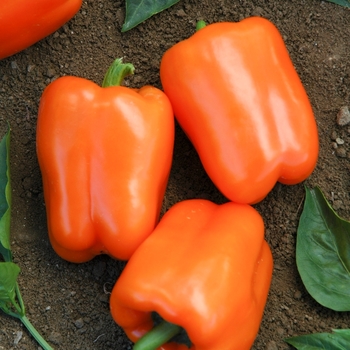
(105, 155)
(237, 96)
(206, 268)
(24, 22)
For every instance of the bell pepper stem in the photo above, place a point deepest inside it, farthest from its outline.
(200, 25)
(117, 72)
(157, 337)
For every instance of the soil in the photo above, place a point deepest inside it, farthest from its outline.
(68, 303)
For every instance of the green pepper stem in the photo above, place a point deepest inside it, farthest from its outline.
(157, 337)
(200, 25)
(117, 72)
(41, 341)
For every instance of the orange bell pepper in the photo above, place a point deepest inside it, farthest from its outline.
(205, 268)
(237, 96)
(24, 22)
(105, 155)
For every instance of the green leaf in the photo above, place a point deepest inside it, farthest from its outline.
(8, 279)
(344, 3)
(11, 301)
(5, 197)
(138, 11)
(323, 252)
(338, 340)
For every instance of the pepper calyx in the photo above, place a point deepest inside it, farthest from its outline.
(117, 72)
(200, 25)
(158, 336)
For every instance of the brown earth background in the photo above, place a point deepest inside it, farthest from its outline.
(68, 303)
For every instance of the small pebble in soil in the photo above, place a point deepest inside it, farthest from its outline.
(341, 152)
(334, 135)
(30, 67)
(258, 11)
(280, 331)
(14, 65)
(339, 141)
(297, 295)
(50, 72)
(82, 330)
(79, 323)
(343, 116)
(271, 345)
(18, 337)
(181, 13)
(337, 204)
(55, 338)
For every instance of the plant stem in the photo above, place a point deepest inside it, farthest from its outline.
(200, 25)
(19, 297)
(41, 341)
(157, 337)
(117, 72)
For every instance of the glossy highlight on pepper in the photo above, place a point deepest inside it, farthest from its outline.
(206, 268)
(239, 99)
(24, 22)
(105, 155)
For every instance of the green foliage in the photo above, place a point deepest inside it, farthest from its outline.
(323, 252)
(5, 198)
(323, 262)
(338, 340)
(138, 11)
(344, 3)
(11, 301)
(8, 277)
